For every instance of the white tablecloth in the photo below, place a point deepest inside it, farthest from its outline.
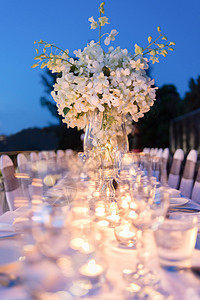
(182, 285)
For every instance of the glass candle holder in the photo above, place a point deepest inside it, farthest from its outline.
(113, 214)
(125, 234)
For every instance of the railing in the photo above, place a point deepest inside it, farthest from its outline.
(185, 132)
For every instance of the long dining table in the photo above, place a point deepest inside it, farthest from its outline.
(180, 285)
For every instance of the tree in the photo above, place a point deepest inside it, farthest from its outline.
(191, 100)
(154, 126)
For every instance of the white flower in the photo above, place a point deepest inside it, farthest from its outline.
(100, 81)
(110, 37)
(154, 59)
(103, 21)
(138, 64)
(94, 24)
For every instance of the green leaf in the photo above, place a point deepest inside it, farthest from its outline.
(153, 52)
(149, 39)
(34, 65)
(37, 57)
(172, 44)
(161, 45)
(158, 28)
(37, 51)
(43, 65)
(106, 71)
(164, 38)
(79, 115)
(66, 110)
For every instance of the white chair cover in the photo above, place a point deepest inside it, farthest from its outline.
(196, 188)
(146, 150)
(52, 154)
(14, 195)
(60, 153)
(187, 179)
(165, 153)
(159, 152)
(24, 174)
(174, 174)
(34, 156)
(43, 155)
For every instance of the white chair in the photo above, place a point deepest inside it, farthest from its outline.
(60, 153)
(164, 163)
(52, 155)
(165, 154)
(155, 151)
(43, 155)
(174, 174)
(14, 195)
(24, 174)
(69, 152)
(146, 150)
(151, 152)
(159, 153)
(187, 179)
(34, 156)
(196, 188)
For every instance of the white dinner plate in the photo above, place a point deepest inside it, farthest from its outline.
(173, 202)
(173, 193)
(7, 234)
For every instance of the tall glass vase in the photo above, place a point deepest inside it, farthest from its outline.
(106, 140)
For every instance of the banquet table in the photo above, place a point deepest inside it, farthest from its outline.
(182, 285)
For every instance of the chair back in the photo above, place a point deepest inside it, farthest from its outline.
(34, 156)
(196, 188)
(23, 174)
(187, 179)
(14, 195)
(174, 174)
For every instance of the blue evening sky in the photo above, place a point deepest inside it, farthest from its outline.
(65, 23)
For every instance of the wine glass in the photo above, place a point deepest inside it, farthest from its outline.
(149, 208)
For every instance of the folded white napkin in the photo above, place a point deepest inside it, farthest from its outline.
(7, 220)
(6, 227)
(14, 220)
(173, 193)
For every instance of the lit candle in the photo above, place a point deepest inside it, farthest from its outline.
(124, 203)
(113, 218)
(126, 233)
(132, 215)
(103, 223)
(91, 269)
(100, 211)
(80, 210)
(96, 194)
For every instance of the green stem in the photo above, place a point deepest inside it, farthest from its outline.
(149, 46)
(99, 29)
(63, 59)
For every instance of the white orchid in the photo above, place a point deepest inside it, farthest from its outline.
(110, 37)
(94, 24)
(103, 21)
(113, 82)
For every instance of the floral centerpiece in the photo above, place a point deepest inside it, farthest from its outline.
(112, 84)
